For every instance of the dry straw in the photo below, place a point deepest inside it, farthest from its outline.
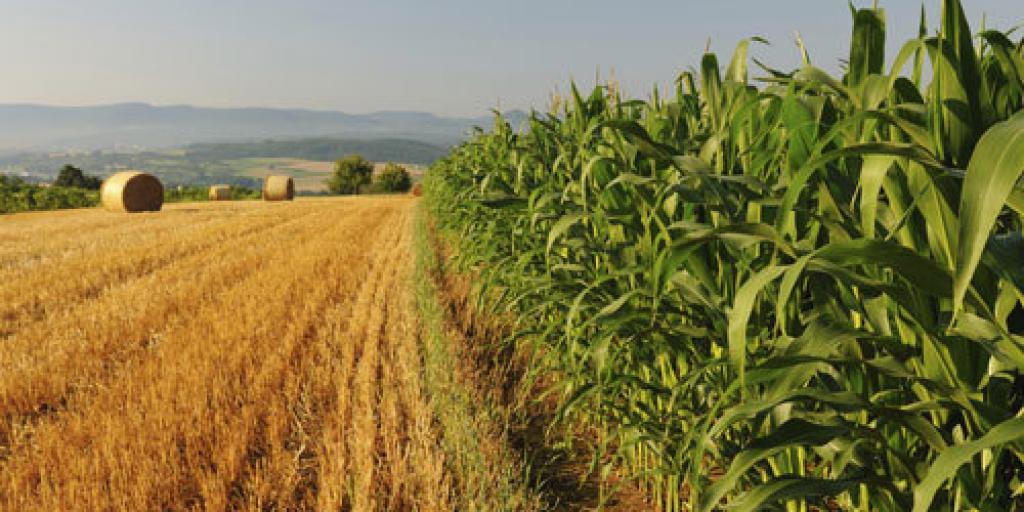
(278, 188)
(220, 193)
(132, 191)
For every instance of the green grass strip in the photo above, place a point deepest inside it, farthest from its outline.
(485, 474)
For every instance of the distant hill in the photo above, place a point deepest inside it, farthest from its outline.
(142, 126)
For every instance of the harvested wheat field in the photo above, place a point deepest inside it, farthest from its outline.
(222, 356)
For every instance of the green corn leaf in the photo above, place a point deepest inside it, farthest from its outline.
(922, 272)
(867, 49)
(616, 305)
(997, 164)
(820, 340)
(737, 71)
(1004, 255)
(739, 317)
(1010, 61)
(643, 139)
(957, 32)
(919, 57)
(711, 88)
(956, 86)
(795, 432)
(786, 488)
(816, 164)
(561, 227)
(949, 462)
(631, 179)
(812, 76)
(872, 173)
(786, 288)
(874, 90)
(912, 49)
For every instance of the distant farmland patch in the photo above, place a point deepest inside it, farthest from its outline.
(309, 161)
(309, 175)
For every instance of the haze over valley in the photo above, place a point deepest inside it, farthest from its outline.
(197, 145)
(26, 127)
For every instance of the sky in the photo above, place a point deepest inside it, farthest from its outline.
(449, 57)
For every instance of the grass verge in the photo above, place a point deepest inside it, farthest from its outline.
(487, 474)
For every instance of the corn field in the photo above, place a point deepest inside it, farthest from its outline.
(791, 292)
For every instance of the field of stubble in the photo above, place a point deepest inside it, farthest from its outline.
(220, 356)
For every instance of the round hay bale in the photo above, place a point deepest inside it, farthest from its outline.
(132, 191)
(417, 190)
(220, 193)
(278, 188)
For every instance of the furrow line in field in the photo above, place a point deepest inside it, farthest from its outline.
(409, 450)
(37, 296)
(283, 474)
(37, 248)
(73, 352)
(189, 415)
(65, 225)
(90, 230)
(363, 432)
(344, 339)
(388, 462)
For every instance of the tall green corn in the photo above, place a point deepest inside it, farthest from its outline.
(801, 295)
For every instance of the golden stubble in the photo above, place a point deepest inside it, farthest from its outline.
(236, 356)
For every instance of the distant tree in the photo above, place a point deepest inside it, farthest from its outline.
(16, 195)
(10, 182)
(73, 177)
(350, 173)
(394, 178)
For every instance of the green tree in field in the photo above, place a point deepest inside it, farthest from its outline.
(17, 196)
(394, 178)
(350, 173)
(73, 177)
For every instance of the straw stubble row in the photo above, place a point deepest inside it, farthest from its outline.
(280, 372)
(41, 291)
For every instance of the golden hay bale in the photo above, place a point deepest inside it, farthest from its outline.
(220, 193)
(417, 190)
(278, 188)
(132, 191)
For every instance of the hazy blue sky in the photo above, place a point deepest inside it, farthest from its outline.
(455, 57)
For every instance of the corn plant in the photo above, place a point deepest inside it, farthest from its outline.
(796, 294)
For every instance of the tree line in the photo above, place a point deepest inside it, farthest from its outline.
(71, 189)
(353, 174)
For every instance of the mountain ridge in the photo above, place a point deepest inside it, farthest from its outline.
(38, 127)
